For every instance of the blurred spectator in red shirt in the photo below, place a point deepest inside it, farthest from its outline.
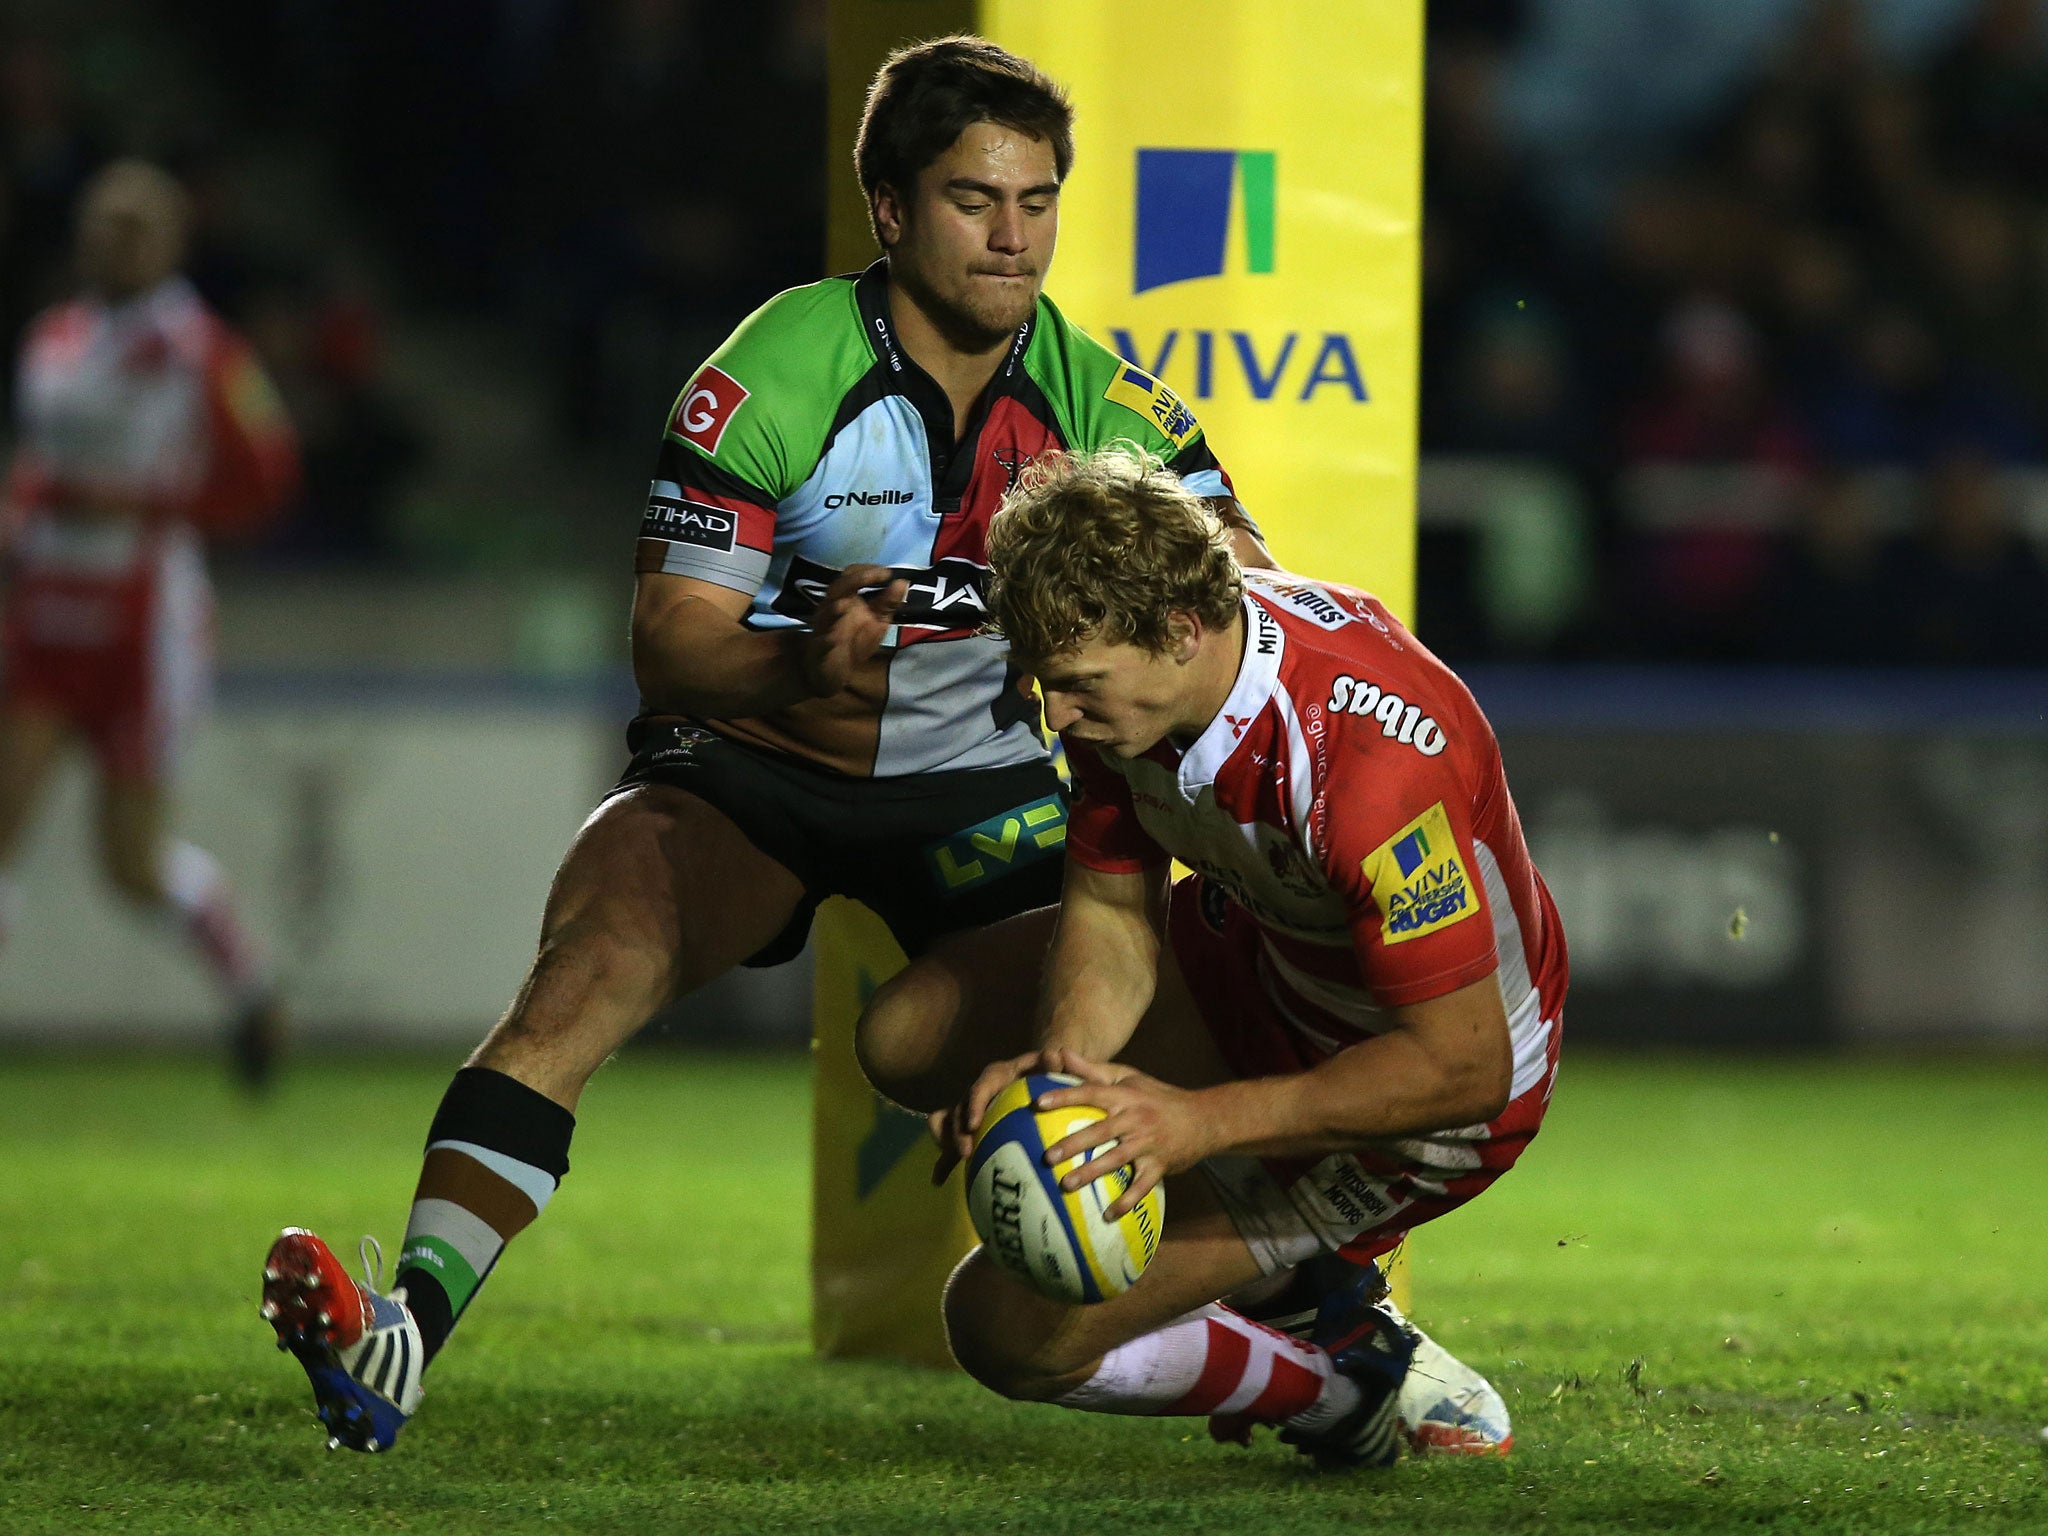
(1716, 404)
(1695, 585)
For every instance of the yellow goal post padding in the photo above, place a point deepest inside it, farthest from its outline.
(1243, 223)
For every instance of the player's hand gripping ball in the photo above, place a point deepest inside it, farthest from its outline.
(1057, 1243)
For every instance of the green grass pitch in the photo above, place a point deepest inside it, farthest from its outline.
(1799, 1296)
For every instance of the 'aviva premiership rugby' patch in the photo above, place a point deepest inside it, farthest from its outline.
(1418, 880)
(1138, 391)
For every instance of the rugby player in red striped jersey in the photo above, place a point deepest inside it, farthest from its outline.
(145, 424)
(1342, 1024)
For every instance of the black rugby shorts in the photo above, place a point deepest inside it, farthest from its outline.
(930, 853)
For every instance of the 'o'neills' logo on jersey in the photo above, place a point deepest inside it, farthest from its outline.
(707, 406)
(888, 341)
(1418, 879)
(1400, 720)
(840, 499)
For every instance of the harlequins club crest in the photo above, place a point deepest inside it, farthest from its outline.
(1013, 466)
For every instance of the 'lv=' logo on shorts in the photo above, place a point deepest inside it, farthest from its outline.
(1000, 844)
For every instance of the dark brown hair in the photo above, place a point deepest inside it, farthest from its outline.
(925, 96)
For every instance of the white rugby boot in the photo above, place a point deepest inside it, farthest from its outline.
(1446, 1408)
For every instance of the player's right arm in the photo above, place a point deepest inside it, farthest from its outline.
(694, 655)
(744, 432)
(1102, 966)
(1100, 972)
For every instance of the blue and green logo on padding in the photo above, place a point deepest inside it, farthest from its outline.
(1184, 203)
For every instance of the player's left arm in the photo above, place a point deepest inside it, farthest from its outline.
(1200, 470)
(1103, 962)
(252, 461)
(1402, 855)
(1446, 1062)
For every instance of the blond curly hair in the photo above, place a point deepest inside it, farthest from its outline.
(1106, 545)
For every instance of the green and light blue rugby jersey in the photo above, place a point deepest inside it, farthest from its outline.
(810, 442)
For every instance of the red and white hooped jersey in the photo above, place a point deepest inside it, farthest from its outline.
(155, 407)
(1350, 798)
(153, 403)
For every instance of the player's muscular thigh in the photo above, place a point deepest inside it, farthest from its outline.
(658, 894)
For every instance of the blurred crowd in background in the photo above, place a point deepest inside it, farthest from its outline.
(1735, 340)
(1772, 296)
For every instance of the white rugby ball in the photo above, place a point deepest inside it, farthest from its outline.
(1058, 1243)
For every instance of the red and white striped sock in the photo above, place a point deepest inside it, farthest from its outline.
(1214, 1361)
(204, 906)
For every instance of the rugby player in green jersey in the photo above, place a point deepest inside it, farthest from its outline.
(821, 713)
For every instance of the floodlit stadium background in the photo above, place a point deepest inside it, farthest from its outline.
(1733, 504)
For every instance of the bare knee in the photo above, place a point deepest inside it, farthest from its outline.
(1006, 1337)
(930, 1030)
(901, 1037)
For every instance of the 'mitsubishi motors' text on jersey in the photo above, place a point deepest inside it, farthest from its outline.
(1354, 849)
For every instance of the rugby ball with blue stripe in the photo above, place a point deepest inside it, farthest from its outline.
(1058, 1243)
